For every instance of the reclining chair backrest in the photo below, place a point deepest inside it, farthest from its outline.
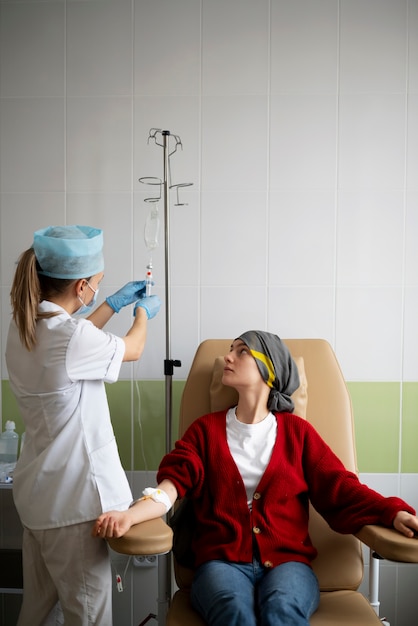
(339, 564)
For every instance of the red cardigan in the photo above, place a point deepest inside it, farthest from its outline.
(302, 468)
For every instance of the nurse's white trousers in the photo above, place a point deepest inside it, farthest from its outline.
(69, 565)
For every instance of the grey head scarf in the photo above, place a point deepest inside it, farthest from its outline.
(276, 367)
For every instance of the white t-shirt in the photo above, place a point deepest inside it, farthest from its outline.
(69, 470)
(251, 446)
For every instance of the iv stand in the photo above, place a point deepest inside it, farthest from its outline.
(164, 561)
(169, 364)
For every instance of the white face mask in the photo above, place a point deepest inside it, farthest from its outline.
(86, 308)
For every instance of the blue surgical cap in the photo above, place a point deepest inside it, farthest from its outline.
(69, 251)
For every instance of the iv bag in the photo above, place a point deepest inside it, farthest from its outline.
(152, 227)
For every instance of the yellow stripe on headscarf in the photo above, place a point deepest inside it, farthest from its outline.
(268, 363)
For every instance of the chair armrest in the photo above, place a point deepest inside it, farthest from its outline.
(389, 544)
(151, 537)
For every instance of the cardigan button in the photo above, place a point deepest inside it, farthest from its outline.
(268, 564)
(257, 495)
(256, 530)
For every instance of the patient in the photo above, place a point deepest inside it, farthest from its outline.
(250, 472)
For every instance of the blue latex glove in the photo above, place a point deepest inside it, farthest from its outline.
(128, 294)
(151, 304)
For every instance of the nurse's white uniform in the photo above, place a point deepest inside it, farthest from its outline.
(69, 471)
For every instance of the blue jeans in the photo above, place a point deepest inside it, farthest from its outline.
(248, 594)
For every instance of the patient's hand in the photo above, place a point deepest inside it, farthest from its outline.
(113, 524)
(406, 523)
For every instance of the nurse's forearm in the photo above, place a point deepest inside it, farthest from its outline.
(136, 336)
(101, 315)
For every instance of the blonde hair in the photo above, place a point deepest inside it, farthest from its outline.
(28, 289)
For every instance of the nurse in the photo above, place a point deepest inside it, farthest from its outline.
(69, 471)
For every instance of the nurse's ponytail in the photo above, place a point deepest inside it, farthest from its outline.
(25, 296)
(30, 286)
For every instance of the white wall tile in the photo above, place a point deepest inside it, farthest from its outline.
(32, 47)
(370, 237)
(99, 144)
(386, 484)
(304, 46)
(228, 311)
(167, 54)
(371, 141)
(151, 364)
(22, 214)
(234, 143)
(410, 338)
(301, 238)
(411, 238)
(235, 38)
(302, 141)
(185, 243)
(233, 250)
(409, 489)
(111, 212)
(185, 327)
(32, 144)
(413, 46)
(412, 141)
(99, 48)
(305, 311)
(373, 45)
(368, 332)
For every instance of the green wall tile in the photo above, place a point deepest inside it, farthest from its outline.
(119, 397)
(143, 446)
(376, 408)
(10, 409)
(409, 427)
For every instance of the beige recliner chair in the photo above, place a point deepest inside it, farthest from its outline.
(324, 400)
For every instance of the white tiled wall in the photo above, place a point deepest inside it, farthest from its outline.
(299, 129)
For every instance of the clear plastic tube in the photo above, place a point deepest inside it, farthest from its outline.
(151, 230)
(148, 280)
